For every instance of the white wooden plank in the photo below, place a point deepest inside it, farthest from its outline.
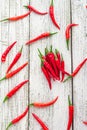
(79, 41)
(55, 117)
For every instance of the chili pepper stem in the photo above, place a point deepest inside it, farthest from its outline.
(10, 124)
(53, 33)
(25, 6)
(5, 99)
(3, 20)
(52, 3)
(3, 78)
(69, 101)
(30, 105)
(67, 43)
(46, 51)
(21, 49)
(67, 79)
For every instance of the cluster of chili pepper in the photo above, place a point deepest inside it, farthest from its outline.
(52, 65)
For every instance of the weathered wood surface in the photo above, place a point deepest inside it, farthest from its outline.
(56, 116)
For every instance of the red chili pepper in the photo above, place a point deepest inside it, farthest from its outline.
(63, 67)
(17, 57)
(16, 120)
(51, 11)
(40, 122)
(48, 66)
(43, 35)
(67, 33)
(11, 74)
(4, 55)
(76, 70)
(35, 10)
(14, 90)
(50, 57)
(86, 6)
(16, 18)
(41, 105)
(71, 114)
(85, 122)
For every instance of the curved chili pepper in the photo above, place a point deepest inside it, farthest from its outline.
(4, 55)
(85, 122)
(71, 113)
(67, 33)
(14, 90)
(11, 74)
(16, 120)
(40, 122)
(41, 105)
(63, 67)
(50, 57)
(16, 18)
(76, 70)
(17, 57)
(43, 35)
(35, 10)
(51, 11)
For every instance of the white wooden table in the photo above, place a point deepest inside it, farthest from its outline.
(56, 116)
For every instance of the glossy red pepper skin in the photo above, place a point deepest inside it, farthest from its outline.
(35, 10)
(16, 18)
(42, 105)
(85, 122)
(11, 74)
(16, 58)
(16, 120)
(43, 35)
(63, 68)
(71, 114)
(4, 55)
(51, 12)
(44, 127)
(67, 33)
(14, 90)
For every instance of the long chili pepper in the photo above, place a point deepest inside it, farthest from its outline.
(35, 10)
(67, 33)
(85, 122)
(76, 70)
(63, 67)
(17, 119)
(48, 66)
(51, 12)
(16, 18)
(11, 74)
(4, 55)
(44, 127)
(43, 35)
(71, 114)
(14, 90)
(17, 57)
(50, 57)
(41, 105)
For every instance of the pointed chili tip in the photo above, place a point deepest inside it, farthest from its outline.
(53, 33)
(69, 101)
(9, 125)
(67, 44)
(21, 49)
(4, 20)
(67, 79)
(5, 99)
(25, 6)
(3, 78)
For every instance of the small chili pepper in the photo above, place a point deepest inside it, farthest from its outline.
(71, 114)
(44, 127)
(14, 90)
(41, 105)
(48, 66)
(35, 10)
(50, 57)
(11, 74)
(4, 55)
(63, 67)
(67, 33)
(17, 57)
(51, 12)
(76, 70)
(16, 120)
(85, 122)
(16, 18)
(86, 6)
(43, 35)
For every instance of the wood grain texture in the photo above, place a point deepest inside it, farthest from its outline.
(56, 116)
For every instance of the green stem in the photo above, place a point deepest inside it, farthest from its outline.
(40, 56)
(51, 48)
(30, 105)
(5, 99)
(10, 124)
(3, 20)
(69, 77)
(25, 6)
(3, 78)
(21, 49)
(52, 3)
(69, 101)
(67, 43)
(61, 56)
(46, 51)
(53, 33)
(56, 51)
